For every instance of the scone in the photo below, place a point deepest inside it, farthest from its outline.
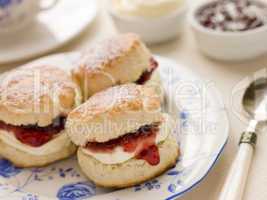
(123, 137)
(34, 104)
(114, 61)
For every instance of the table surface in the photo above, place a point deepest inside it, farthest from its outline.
(226, 76)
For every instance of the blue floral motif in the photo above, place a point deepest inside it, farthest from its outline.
(150, 185)
(64, 172)
(5, 3)
(7, 169)
(179, 176)
(30, 197)
(44, 174)
(173, 173)
(77, 191)
(184, 115)
(172, 188)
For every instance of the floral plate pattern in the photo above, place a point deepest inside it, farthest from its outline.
(202, 129)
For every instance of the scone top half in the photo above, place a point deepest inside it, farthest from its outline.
(34, 103)
(118, 110)
(114, 61)
(117, 124)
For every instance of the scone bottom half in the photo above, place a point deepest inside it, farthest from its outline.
(123, 154)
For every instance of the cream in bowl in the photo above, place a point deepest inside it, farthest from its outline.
(230, 30)
(154, 20)
(147, 9)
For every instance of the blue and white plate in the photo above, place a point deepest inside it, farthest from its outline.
(202, 127)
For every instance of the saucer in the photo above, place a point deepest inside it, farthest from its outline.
(51, 30)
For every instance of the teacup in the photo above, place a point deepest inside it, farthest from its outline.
(16, 14)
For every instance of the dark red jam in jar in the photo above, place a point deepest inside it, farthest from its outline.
(233, 15)
(142, 142)
(147, 74)
(34, 135)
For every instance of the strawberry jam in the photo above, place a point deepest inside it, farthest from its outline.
(34, 135)
(151, 155)
(148, 73)
(142, 142)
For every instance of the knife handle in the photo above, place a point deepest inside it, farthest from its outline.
(235, 183)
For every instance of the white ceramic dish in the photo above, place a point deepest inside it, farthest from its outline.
(52, 29)
(203, 131)
(152, 30)
(229, 46)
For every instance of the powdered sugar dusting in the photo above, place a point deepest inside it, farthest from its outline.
(105, 51)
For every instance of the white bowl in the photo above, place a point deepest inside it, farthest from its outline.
(228, 46)
(152, 30)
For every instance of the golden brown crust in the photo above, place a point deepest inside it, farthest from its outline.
(99, 56)
(113, 113)
(36, 95)
(123, 98)
(131, 172)
(117, 60)
(25, 160)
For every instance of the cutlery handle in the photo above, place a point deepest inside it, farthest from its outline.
(235, 183)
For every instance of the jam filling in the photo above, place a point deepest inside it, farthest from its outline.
(142, 142)
(34, 135)
(148, 73)
(151, 155)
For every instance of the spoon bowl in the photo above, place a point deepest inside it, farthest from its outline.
(255, 99)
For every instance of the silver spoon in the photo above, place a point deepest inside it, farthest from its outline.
(255, 104)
